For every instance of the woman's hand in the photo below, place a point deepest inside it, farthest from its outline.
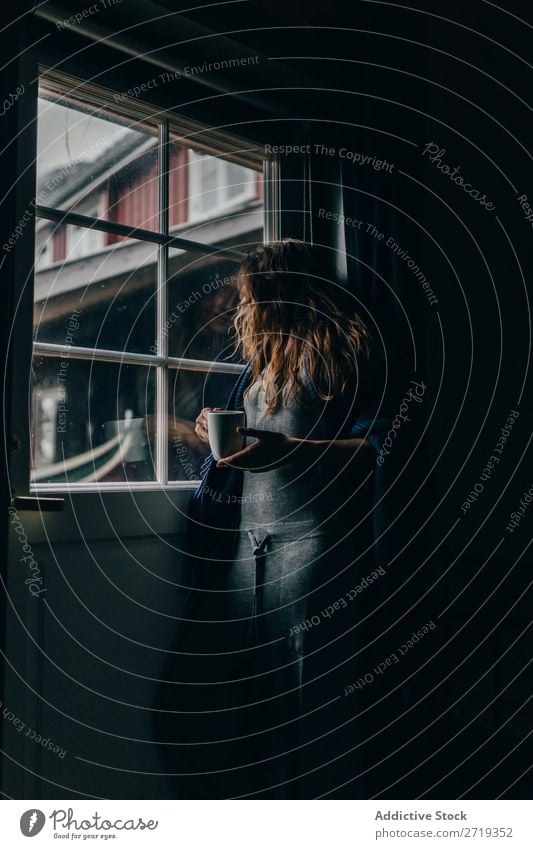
(270, 451)
(201, 423)
(274, 449)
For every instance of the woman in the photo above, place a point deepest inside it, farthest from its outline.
(283, 530)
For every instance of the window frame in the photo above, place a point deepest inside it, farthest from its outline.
(214, 141)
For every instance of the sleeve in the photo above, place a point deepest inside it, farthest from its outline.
(214, 509)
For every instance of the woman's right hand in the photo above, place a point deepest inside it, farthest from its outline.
(201, 423)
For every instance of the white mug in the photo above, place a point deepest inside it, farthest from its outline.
(223, 437)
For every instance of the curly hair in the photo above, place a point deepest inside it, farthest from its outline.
(290, 314)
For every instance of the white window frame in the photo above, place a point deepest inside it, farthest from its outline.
(210, 140)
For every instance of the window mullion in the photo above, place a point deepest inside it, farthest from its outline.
(272, 204)
(63, 217)
(162, 310)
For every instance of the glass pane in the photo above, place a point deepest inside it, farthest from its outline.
(202, 303)
(239, 181)
(90, 421)
(89, 293)
(212, 199)
(189, 392)
(95, 163)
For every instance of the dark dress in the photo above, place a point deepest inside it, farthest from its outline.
(273, 638)
(294, 595)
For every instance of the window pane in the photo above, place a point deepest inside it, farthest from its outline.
(189, 392)
(96, 163)
(92, 294)
(212, 199)
(202, 302)
(239, 181)
(89, 421)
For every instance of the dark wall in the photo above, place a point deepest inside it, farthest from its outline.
(12, 40)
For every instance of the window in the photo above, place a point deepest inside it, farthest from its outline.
(217, 184)
(141, 224)
(82, 241)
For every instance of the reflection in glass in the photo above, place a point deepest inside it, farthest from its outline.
(95, 164)
(189, 392)
(89, 421)
(105, 300)
(202, 303)
(212, 199)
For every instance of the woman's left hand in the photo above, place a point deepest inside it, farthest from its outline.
(270, 451)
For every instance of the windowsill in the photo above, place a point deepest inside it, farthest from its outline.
(104, 488)
(103, 514)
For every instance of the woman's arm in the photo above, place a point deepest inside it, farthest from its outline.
(339, 451)
(273, 449)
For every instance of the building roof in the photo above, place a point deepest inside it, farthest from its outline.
(70, 179)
